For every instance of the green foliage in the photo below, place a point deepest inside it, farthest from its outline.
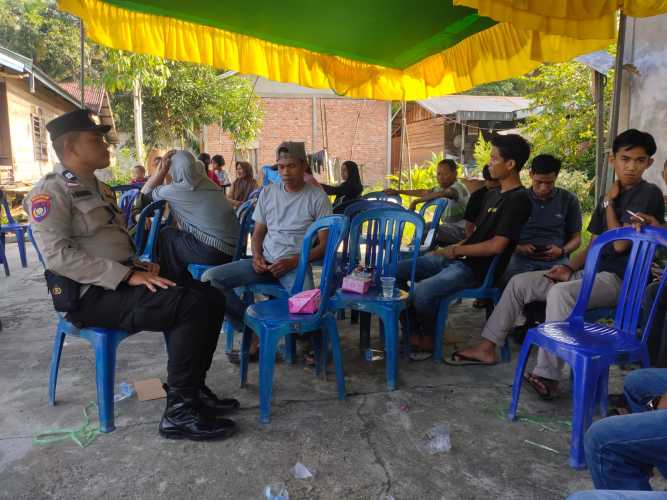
(178, 98)
(120, 69)
(38, 30)
(193, 97)
(574, 181)
(565, 123)
(513, 86)
(482, 152)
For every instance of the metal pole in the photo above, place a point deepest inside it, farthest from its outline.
(82, 72)
(400, 151)
(600, 157)
(389, 120)
(616, 99)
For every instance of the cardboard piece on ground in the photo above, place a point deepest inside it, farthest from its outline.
(149, 389)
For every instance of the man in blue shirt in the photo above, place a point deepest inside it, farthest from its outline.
(554, 229)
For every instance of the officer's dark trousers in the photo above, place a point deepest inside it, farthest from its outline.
(190, 317)
(177, 249)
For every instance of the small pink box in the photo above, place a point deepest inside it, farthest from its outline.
(306, 302)
(355, 285)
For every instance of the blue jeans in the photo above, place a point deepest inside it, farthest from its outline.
(241, 273)
(617, 495)
(435, 277)
(519, 264)
(621, 451)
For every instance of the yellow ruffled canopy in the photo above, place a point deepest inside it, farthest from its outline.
(581, 19)
(406, 50)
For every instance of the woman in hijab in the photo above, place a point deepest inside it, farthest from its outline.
(351, 187)
(207, 225)
(243, 185)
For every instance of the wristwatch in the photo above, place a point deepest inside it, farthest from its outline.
(654, 403)
(606, 203)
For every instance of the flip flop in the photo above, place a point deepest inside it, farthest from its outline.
(458, 359)
(544, 391)
(420, 355)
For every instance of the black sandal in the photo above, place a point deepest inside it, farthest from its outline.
(234, 357)
(545, 388)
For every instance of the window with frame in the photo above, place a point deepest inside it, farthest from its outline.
(39, 140)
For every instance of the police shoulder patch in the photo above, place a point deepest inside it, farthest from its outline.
(40, 205)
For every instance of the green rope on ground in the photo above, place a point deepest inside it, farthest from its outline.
(83, 435)
(546, 423)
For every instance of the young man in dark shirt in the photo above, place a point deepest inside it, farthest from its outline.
(476, 200)
(554, 229)
(559, 287)
(465, 264)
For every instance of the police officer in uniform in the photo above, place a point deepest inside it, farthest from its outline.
(81, 234)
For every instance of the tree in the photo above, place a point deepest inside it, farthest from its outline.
(124, 71)
(194, 96)
(512, 87)
(564, 119)
(38, 30)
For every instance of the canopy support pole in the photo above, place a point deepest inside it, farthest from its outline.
(389, 120)
(608, 177)
(82, 71)
(400, 150)
(599, 83)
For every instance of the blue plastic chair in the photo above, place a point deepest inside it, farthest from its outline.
(590, 348)
(350, 211)
(12, 227)
(271, 319)
(3, 256)
(146, 252)
(382, 252)
(430, 240)
(122, 188)
(126, 204)
(382, 196)
(485, 291)
(104, 342)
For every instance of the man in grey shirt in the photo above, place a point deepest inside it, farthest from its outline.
(283, 214)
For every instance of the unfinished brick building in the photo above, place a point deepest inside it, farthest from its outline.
(355, 129)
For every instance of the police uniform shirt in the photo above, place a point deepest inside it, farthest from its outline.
(79, 229)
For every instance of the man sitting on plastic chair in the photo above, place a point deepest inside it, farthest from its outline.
(464, 265)
(630, 200)
(90, 257)
(282, 215)
(452, 227)
(622, 450)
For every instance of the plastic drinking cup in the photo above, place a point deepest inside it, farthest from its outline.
(388, 286)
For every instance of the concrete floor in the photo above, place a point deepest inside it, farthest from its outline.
(361, 448)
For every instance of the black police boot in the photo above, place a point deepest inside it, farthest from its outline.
(186, 418)
(215, 404)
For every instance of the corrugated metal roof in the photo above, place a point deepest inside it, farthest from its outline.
(17, 62)
(451, 104)
(93, 95)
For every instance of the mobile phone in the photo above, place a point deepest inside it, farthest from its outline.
(540, 249)
(641, 219)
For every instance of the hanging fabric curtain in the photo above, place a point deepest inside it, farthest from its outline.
(581, 19)
(392, 50)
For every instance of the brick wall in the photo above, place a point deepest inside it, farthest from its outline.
(290, 119)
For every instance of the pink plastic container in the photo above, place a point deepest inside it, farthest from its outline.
(306, 302)
(353, 284)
